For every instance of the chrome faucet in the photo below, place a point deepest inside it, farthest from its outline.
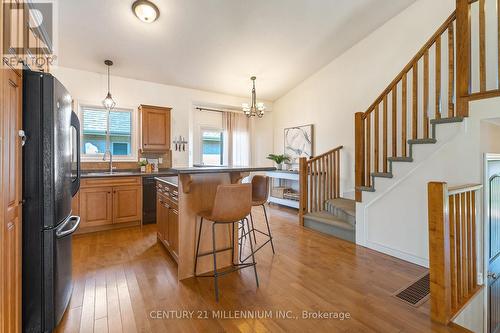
(108, 152)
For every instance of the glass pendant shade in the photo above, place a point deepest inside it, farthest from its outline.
(108, 102)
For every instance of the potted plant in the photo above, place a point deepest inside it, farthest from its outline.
(143, 164)
(278, 159)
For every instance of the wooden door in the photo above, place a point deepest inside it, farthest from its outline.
(10, 223)
(96, 206)
(155, 128)
(494, 256)
(173, 230)
(127, 204)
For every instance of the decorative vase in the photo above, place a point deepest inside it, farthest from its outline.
(143, 168)
(279, 166)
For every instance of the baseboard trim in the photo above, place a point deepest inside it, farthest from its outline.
(397, 254)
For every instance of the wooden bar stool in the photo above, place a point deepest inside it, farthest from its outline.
(260, 195)
(232, 204)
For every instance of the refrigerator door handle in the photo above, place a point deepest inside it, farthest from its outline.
(75, 122)
(62, 231)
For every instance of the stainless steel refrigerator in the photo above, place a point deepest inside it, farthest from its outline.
(51, 176)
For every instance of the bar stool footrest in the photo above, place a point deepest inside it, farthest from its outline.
(234, 268)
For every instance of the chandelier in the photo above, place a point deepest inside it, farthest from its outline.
(108, 102)
(256, 109)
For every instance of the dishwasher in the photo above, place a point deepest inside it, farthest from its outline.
(148, 200)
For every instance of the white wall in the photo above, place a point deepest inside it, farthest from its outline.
(90, 87)
(490, 137)
(351, 82)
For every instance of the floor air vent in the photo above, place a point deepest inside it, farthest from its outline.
(416, 293)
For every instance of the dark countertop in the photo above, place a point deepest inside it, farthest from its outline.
(197, 170)
(171, 172)
(173, 180)
(126, 173)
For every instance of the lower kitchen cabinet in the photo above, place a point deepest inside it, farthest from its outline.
(173, 230)
(167, 218)
(109, 202)
(96, 206)
(127, 204)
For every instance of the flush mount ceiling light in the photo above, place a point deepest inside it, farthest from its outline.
(108, 102)
(256, 109)
(146, 11)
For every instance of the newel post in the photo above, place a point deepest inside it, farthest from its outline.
(463, 40)
(439, 252)
(359, 156)
(303, 189)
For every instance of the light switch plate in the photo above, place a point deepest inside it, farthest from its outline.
(160, 160)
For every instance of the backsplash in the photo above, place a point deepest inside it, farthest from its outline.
(167, 162)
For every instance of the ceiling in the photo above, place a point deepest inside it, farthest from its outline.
(216, 45)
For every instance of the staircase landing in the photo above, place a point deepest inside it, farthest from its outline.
(337, 219)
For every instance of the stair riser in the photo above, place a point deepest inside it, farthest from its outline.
(341, 214)
(348, 235)
(418, 152)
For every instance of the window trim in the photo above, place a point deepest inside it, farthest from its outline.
(211, 129)
(134, 139)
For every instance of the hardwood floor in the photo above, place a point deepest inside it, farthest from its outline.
(124, 281)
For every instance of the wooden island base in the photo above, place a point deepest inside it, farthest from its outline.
(196, 189)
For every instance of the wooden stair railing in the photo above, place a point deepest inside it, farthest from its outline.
(439, 82)
(403, 110)
(319, 179)
(480, 79)
(452, 248)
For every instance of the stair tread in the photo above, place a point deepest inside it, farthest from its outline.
(400, 159)
(382, 174)
(365, 188)
(347, 205)
(327, 218)
(447, 120)
(421, 141)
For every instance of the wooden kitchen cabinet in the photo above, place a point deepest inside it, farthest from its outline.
(155, 122)
(96, 206)
(109, 202)
(127, 204)
(75, 204)
(173, 230)
(160, 218)
(10, 199)
(168, 218)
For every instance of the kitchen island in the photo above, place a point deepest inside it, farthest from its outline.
(191, 191)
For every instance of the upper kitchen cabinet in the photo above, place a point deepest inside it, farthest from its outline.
(155, 122)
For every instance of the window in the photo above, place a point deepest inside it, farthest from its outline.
(94, 128)
(212, 143)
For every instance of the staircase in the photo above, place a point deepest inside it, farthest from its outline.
(338, 219)
(321, 208)
(432, 91)
(434, 88)
(409, 158)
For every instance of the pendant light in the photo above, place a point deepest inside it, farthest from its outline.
(256, 109)
(108, 102)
